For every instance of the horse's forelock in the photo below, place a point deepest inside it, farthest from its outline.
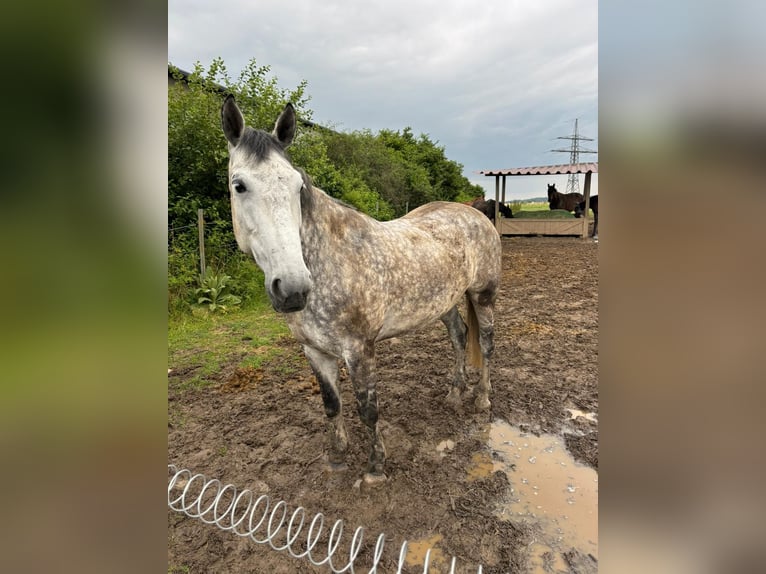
(259, 144)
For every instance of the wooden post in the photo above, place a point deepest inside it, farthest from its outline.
(497, 198)
(503, 189)
(587, 205)
(201, 235)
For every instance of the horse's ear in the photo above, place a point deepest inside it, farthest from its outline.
(232, 121)
(284, 128)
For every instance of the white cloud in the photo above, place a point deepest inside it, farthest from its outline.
(494, 82)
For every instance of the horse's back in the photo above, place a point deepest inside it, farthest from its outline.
(449, 215)
(436, 254)
(461, 229)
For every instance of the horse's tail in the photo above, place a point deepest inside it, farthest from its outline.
(472, 347)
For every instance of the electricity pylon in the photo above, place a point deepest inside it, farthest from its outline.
(573, 183)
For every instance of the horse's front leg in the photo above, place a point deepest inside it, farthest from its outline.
(361, 369)
(325, 368)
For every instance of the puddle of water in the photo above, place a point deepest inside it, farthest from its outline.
(482, 466)
(416, 554)
(549, 490)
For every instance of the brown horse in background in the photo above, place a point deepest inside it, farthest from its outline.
(487, 207)
(580, 210)
(565, 201)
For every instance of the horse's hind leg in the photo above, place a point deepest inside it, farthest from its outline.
(325, 368)
(457, 332)
(484, 304)
(361, 369)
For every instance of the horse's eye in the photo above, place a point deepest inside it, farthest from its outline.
(239, 187)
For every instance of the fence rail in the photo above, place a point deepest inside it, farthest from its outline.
(240, 512)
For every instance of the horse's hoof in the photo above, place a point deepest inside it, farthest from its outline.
(374, 479)
(453, 398)
(482, 404)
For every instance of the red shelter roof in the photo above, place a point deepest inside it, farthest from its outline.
(565, 168)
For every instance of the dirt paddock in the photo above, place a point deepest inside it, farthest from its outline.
(264, 430)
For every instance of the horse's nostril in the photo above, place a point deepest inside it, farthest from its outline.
(288, 297)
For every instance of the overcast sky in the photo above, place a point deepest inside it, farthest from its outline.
(492, 82)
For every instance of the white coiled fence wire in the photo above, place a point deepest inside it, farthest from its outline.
(242, 513)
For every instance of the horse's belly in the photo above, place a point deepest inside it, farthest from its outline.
(404, 317)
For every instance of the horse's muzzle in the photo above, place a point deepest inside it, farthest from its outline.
(286, 298)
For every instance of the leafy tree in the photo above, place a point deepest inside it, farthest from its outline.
(339, 179)
(444, 177)
(361, 155)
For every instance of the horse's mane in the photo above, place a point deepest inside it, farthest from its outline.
(308, 185)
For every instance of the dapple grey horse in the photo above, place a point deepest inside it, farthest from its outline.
(346, 281)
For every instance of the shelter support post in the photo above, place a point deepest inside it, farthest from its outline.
(503, 189)
(586, 215)
(497, 198)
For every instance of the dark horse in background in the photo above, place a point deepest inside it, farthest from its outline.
(566, 201)
(580, 210)
(487, 207)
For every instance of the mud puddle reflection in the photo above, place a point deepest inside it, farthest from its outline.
(550, 491)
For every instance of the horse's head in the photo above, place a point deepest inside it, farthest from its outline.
(505, 210)
(552, 190)
(266, 204)
(579, 209)
(553, 201)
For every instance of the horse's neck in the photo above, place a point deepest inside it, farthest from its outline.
(322, 220)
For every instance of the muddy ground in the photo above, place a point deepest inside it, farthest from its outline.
(264, 430)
